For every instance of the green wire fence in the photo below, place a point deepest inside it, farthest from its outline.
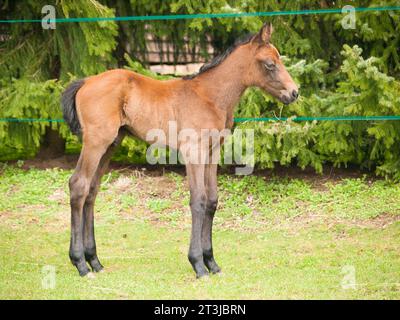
(239, 120)
(205, 15)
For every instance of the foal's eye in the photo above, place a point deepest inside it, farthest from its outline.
(269, 66)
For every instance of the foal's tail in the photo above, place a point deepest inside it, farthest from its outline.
(69, 106)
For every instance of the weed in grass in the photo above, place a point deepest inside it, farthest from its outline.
(158, 205)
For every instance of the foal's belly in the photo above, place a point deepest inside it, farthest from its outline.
(149, 120)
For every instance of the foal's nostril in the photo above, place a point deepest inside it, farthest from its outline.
(295, 94)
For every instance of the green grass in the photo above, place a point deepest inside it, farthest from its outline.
(274, 238)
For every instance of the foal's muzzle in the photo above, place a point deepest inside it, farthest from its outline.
(289, 96)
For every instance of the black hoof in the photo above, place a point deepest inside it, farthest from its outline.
(202, 274)
(212, 266)
(96, 265)
(81, 266)
(215, 270)
(98, 268)
(198, 266)
(84, 273)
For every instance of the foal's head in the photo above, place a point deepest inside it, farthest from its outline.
(266, 69)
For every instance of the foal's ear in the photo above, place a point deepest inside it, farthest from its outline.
(265, 33)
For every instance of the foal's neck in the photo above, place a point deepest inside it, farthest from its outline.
(224, 83)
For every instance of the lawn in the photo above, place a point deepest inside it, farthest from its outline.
(276, 236)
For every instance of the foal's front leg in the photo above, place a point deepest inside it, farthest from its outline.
(198, 201)
(211, 206)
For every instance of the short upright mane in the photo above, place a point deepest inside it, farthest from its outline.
(220, 58)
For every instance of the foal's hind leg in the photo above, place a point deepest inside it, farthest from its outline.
(79, 183)
(89, 241)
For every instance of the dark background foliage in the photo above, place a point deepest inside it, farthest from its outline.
(341, 72)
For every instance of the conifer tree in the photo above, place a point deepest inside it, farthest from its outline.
(341, 72)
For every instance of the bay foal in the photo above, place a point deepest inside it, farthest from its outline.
(106, 107)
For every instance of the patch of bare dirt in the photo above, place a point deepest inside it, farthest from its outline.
(64, 162)
(318, 181)
(381, 222)
(123, 184)
(307, 220)
(329, 173)
(58, 196)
